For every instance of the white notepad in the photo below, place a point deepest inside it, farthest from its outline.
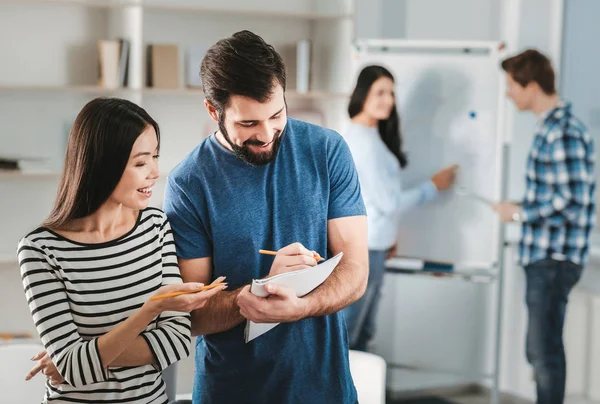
(302, 282)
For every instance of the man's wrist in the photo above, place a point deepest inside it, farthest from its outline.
(304, 308)
(517, 216)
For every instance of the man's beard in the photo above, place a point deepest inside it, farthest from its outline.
(244, 153)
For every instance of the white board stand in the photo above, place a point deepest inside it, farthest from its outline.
(491, 271)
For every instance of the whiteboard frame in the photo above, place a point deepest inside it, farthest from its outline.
(430, 44)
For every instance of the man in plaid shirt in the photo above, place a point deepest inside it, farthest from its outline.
(557, 213)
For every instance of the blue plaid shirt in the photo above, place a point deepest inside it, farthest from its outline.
(559, 208)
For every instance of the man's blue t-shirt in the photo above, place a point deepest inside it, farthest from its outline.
(220, 206)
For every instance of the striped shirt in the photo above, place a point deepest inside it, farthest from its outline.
(77, 292)
(559, 208)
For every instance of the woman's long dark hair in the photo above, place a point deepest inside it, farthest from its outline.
(389, 129)
(97, 153)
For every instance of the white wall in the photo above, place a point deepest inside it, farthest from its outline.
(452, 20)
(534, 32)
(428, 19)
(393, 19)
(580, 82)
(580, 64)
(369, 17)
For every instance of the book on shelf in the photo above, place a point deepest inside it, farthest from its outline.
(13, 163)
(108, 63)
(8, 164)
(303, 65)
(195, 54)
(113, 63)
(297, 57)
(163, 66)
(124, 62)
(15, 337)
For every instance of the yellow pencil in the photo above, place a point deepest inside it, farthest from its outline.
(203, 288)
(269, 252)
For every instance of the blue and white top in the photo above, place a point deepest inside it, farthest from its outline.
(559, 207)
(379, 174)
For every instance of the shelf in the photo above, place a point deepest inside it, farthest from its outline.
(170, 6)
(152, 91)
(64, 89)
(83, 3)
(314, 95)
(6, 174)
(317, 95)
(246, 12)
(433, 369)
(8, 260)
(173, 91)
(20, 174)
(476, 273)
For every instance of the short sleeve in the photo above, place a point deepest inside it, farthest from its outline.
(344, 193)
(191, 236)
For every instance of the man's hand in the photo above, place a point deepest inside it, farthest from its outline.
(46, 366)
(292, 258)
(506, 211)
(282, 305)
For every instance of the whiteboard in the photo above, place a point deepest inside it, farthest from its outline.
(451, 106)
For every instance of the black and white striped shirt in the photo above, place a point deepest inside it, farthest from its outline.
(77, 292)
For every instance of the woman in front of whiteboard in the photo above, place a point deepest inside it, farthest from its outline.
(90, 269)
(375, 141)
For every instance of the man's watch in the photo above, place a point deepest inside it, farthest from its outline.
(516, 217)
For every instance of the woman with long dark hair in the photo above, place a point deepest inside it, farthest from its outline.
(375, 139)
(90, 269)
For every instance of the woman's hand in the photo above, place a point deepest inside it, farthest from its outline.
(46, 366)
(392, 251)
(444, 179)
(187, 302)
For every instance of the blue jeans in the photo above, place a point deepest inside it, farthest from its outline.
(548, 285)
(360, 315)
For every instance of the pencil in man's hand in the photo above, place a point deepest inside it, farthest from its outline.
(316, 255)
(203, 288)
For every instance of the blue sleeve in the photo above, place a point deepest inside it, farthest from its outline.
(414, 197)
(344, 189)
(190, 232)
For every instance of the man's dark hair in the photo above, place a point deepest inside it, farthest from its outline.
(243, 64)
(531, 66)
